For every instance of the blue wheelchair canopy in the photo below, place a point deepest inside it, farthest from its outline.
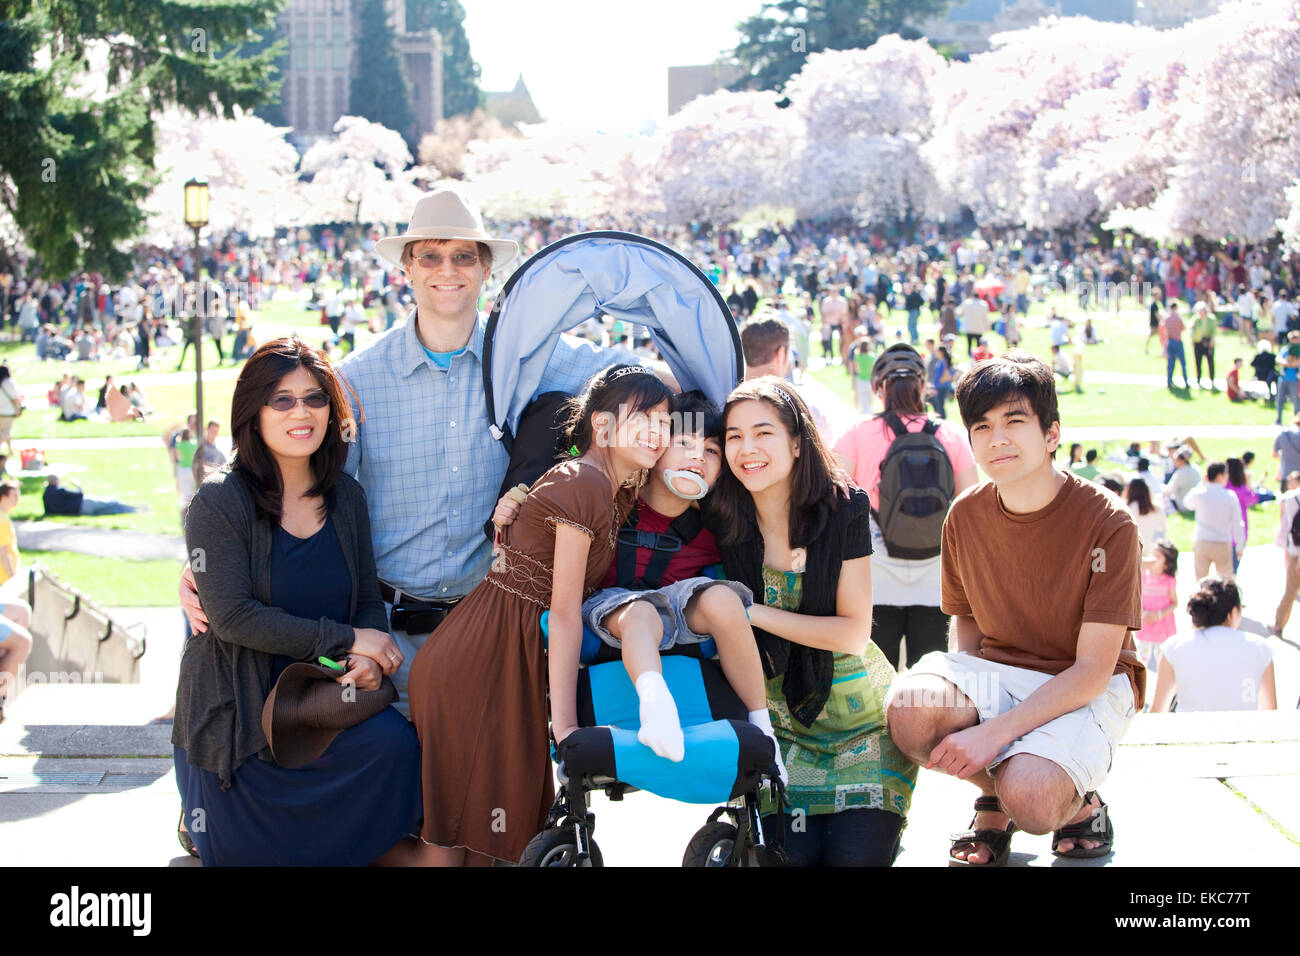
(624, 276)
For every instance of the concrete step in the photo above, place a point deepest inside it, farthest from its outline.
(88, 720)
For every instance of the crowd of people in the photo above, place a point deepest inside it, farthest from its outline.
(853, 557)
(836, 588)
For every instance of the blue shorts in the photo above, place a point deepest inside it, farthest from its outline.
(670, 601)
(6, 628)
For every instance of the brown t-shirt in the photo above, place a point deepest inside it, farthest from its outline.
(1031, 580)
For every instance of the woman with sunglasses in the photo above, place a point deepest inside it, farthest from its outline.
(280, 547)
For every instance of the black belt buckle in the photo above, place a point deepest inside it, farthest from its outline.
(419, 617)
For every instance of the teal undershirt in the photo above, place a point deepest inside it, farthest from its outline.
(443, 359)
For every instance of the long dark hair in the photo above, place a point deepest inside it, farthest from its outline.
(1236, 472)
(903, 395)
(631, 388)
(258, 380)
(815, 480)
(1138, 490)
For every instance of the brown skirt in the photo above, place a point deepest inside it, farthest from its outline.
(478, 701)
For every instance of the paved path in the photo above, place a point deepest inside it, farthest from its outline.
(78, 760)
(121, 441)
(101, 542)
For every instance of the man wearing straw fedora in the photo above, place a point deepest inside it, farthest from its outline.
(430, 467)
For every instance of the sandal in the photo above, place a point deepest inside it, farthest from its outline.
(1086, 830)
(183, 835)
(998, 842)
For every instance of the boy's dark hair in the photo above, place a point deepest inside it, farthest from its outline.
(1011, 376)
(1090, 455)
(1213, 602)
(1143, 464)
(760, 339)
(691, 413)
(1214, 469)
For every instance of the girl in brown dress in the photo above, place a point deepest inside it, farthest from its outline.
(478, 686)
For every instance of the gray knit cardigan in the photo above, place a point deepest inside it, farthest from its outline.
(225, 674)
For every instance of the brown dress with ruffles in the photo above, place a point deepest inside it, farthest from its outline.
(478, 685)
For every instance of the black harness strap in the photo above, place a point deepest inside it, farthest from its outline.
(662, 547)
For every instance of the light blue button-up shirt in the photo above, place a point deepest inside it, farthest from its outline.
(430, 467)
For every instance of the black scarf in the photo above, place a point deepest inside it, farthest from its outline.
(807, 671)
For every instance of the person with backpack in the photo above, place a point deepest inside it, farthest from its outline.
(912, 466)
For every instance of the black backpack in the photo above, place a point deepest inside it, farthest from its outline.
(917, 487)
(1295, 528)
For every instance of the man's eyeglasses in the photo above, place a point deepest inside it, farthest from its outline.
(287, 403)
(461, 260)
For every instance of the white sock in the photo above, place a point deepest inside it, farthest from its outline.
(763, 721)
(661, 728)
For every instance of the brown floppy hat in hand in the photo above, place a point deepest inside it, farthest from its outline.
(307, 708)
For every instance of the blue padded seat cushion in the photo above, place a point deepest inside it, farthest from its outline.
(724, 760)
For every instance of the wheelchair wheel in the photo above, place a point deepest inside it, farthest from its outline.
(711, 846)
(557, 847)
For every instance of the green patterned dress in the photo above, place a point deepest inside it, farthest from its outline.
(846, 759)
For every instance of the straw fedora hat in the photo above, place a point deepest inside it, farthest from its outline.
(444, 214)
(307, 708)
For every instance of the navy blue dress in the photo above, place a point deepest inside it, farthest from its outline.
(346, 808)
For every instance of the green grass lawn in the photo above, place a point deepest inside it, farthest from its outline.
(117, 583)
(34, 374)
(1135, 406)
(1120, 405)
(284, 315)
(170, 404)
(143, 476)
(135, 476)
(1124, 337)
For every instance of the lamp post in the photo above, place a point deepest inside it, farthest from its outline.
(196, 217)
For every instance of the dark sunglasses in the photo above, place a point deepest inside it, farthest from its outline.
(287, 403)
(461, 260)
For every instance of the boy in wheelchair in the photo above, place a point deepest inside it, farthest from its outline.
(656, 593)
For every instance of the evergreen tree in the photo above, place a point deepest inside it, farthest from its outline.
(775, 42)
(380, 91)
(76, 162)
(460, 74)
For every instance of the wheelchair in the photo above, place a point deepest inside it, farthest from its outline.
(728, 761)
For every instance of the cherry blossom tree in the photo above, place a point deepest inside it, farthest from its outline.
(865, 116)
(445, 148)
(250, 166)
(358, 175)
(553, 170)
(726, 153)
(987, 154)
(1237, 127)
(1290, 225)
